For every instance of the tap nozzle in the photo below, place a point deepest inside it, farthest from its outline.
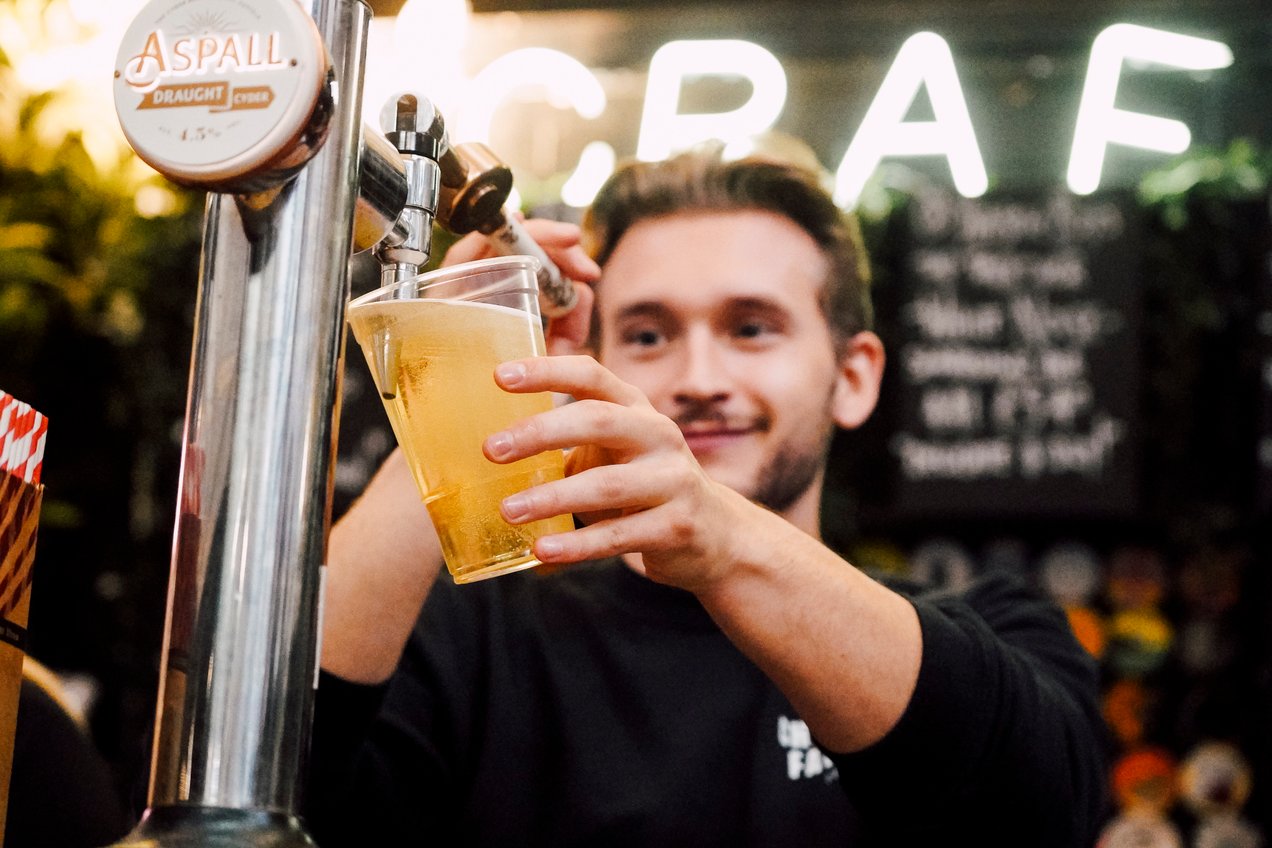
(414, 126)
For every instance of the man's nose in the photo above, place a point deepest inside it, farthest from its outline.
(704, 374)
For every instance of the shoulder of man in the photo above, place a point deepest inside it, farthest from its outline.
(1010, 606)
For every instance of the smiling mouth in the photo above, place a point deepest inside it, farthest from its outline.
(708, 439)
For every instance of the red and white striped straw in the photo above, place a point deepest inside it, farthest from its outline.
(22, 435)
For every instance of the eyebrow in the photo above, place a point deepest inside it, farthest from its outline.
(659, 309)
(755, 304)
(643, 309)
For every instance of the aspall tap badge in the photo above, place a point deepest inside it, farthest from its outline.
(209, 91)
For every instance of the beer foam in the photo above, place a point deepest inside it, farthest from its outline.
(452, 317)
(402, 309)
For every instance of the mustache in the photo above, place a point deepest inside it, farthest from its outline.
(709, 415)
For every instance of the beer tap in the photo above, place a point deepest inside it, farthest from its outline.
(463, 187)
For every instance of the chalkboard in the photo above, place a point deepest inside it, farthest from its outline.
(1016, 368)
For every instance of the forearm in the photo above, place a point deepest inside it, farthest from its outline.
(1002, 736)
(383, 557)
(844, 649)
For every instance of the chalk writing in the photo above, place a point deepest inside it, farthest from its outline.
(1017, 360)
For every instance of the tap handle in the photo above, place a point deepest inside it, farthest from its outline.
(556, 293)
(476, 184)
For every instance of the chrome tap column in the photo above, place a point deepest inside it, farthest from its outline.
(278, 143)
(258, 103)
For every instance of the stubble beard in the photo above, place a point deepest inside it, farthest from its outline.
(794, 468)
(788, 475)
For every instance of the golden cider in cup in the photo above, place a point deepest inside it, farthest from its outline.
(433, 353)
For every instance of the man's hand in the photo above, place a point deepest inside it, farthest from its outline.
(631, 479)
(560, 241)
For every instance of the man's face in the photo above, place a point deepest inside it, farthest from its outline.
(716, 317)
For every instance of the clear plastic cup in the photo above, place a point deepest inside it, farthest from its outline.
(432, 344)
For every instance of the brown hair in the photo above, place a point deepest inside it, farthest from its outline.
(700, 181)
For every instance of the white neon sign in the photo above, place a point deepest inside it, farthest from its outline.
(596, 163)
(924, 59)
(565, 81)
(663, 130)
(1100, 123)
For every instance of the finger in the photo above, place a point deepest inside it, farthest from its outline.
(547, 232)
(575, 263)
(470, 247)
(580, 376)
(586, 422)
(634, 533)
(610, 488)
(560, 240)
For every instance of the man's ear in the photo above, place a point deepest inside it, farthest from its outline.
(569, 333)
(857, 384)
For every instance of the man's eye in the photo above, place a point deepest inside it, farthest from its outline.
(643, 338)
(752, 329)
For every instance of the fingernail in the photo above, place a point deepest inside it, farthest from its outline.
(548, 548)
(511, 373)
(515, 507)
(499, 445)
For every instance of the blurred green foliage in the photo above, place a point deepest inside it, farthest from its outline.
(73, 243)
(1238, 174)
(98, 263)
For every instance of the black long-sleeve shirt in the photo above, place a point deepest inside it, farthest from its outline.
(592, 707)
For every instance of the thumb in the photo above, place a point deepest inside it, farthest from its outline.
(569, 333)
